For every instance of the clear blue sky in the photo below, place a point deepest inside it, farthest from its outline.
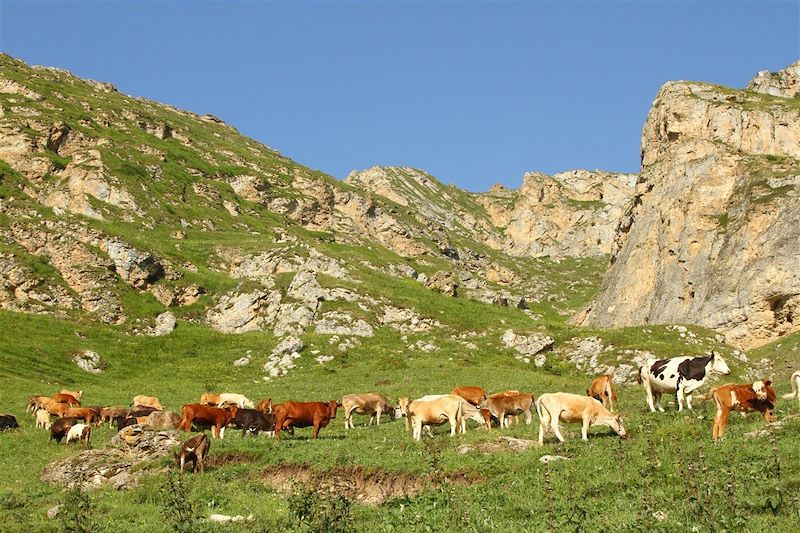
(475, 93)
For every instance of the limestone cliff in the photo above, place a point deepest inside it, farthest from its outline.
(713, 235)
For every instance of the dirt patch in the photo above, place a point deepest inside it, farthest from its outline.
(372, 487)
(228, 458)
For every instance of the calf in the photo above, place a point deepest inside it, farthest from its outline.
(795, 382)
(445, 408)
(480, 415)
(67, 399)
(59, 428)
(745, 398)
(568, 407)
(147, 401)
(602, 389)
(42, 419)
(194, 450)
(110, 413)
(679, 375)
(87, 414)
(8, 421)
(373, 404)
(265, 406)
(253, 420)
(503, 407)
(239, 400)
(80, 433)
(474, 395)
(206, 416)
(304, 414)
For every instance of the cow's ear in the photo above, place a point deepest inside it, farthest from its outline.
(767, 383)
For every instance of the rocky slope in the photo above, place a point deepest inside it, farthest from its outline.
(713, 235)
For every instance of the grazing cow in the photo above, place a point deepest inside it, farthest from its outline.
(74, 393)
(480, 415)
(205, 416)
(265, 406)
(67, 399)
(795, 382)
(253, 420)
(679, 375)
(239, 400)
(162, 420)
(8, 421)
(303, 415)
(474, 395)
(110, 413)
(146, 401)
(567, 407)
(373, 404)
(84, 413)
(42, 419)
(745, 398)
(80, 433)
(125, 421)
(38, 402)
(602, 389)
(210, 398)
(60, 428)
(506, 406)
(194, 450)
(57, 409)
(441, 409)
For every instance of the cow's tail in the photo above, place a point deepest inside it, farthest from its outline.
(640, 376)
(612, 392)
(705, 397)
(795, 379)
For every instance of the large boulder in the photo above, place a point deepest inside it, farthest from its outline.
(139, 269)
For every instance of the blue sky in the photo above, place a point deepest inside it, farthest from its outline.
(476, 93)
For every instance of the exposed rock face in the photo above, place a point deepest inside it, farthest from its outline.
(444, 282)
(165, 323)
(138, 269)
(784, 83)
(574, 213)
(338, 323)
(88, 361)
(240, 313)
(713, 236)
(528, 346)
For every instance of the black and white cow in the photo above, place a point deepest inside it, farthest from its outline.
(680, 376)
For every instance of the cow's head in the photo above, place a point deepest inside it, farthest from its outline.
(718, 364)
(332, 406)
(760, 388)
(618, 427)
(402, 407)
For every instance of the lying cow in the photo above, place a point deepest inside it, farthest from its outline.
(474, 395)
(679, 375)
(194, 450)
(304, 414)
(60, 428)
(8, 421)
(444, 408)
(80, 433)
(602, 390)
(239, 400)
(42, 419)
(745, 398)
(373, 404)
(204, 416)
(254, 421)
(567, 407)
(795, 382)
(147, 401)
(504, 407)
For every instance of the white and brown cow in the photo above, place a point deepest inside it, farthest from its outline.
(372, 403)
(680, 376)
(745, 398)
(81, 433)
(567, 407)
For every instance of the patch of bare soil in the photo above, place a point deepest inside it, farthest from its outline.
(227, 458)
(372, 487)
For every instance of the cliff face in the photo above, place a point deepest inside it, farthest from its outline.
(713, 234)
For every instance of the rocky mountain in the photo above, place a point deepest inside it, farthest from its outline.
(713, 234)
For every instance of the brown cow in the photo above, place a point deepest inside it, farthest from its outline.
(503, 407)
(194, 449)
(74, 393)
(38, 402)
(474, 395)
(67, 399)
(209, 398)
(303, 414)
(203, 415)
(745, 398)
(602, 390)
(60, 428)
(84, 413)
(110, 413)
(57, 409)
(373, 404)
(146, 401)
(265, 406)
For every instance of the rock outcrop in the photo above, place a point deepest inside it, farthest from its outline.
(713, 235)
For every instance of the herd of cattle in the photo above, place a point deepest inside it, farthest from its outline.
(680, 376)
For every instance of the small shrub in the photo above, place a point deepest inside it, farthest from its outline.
(179, 509)
(76, 512)
(312, 511)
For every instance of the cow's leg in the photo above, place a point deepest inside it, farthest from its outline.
(679, 396)
(723, 421)
(416, 427)
(528, 417)
(689, 401)
(649, 393)
(453, 425)
(378, 413)
(183, 462)
(556, 429)
(658, 401)
(316, 426)
(221, 432)
(347, 420)
(585, 429)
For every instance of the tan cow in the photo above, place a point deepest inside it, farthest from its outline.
(239, 400)
(209, 398)
(57, 409)
(505, 406)
(446, 408)
(74, 393)
(568, 407)
(474, 395)
(38, 402)
(147, 401)
(86, 414)
(110, 413)
(42, 419)
(373, 404)
(602, 389)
